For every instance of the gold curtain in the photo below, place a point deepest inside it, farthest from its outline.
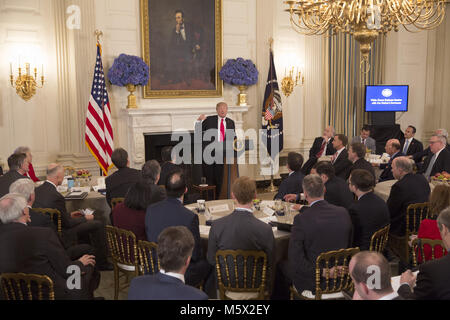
(345, 83)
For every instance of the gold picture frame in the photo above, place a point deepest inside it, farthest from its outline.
(195, 72)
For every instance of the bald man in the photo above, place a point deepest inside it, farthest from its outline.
(322, 146)
(75, 226)
(392, 148)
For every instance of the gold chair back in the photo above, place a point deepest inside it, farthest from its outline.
(328, 282)
(418, 245)
(379, 239)
(148, 257)
(123, 247)
(241, 271)
(116, 201)
(55, 215)
(21, 286)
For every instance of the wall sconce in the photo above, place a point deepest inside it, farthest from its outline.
(291, 80)
(26, 84)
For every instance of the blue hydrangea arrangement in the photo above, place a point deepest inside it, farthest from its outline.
(128, 69)
(239, 72)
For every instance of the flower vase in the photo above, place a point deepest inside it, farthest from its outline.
(131, 98)
(242, 97)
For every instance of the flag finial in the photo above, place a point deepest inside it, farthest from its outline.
(271, 43)
(98, 34)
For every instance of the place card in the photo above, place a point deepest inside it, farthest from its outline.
(268, 211)
(219, 208)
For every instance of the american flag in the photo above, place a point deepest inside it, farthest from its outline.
(269, 114)
(99, 133)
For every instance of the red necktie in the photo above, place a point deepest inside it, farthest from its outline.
(364, 141)
(322, 149)
(222, 132)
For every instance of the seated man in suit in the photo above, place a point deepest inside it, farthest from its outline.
(439, 159)
(411, 145)
(151, 172)
(168, 165)
(119, 182)
(322, 146)
(175, 247)
(365, 139)
(433, 279)
(393, 150)
(293, 183)
(340, 160)
(38, 250)
(356, 154)
(370, 213)
(362, 267)
(410, 188)
(320, 228)
(75, 226)
(336, 189)
(419, 156)
(18, 167)
(171, 212)
(241, 230)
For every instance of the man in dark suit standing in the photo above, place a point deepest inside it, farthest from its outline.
(171, 212)
(336, 189)
(18, 167)
(322, 146)
(38, 250)
(439, 159)
(411, 145)
(151, 173)
(356, 154)
(433, 279)
(340, 160)
(370, 213)
(293, 183)
(75, 226)
(222, 129)
(362, 267)
(393, 150)
(410, 188)
(175, 248)
(119, 182)
(241, 230)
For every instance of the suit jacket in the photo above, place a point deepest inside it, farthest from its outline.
(362, 164)
(166, 169)
(387, 168)
(433, 281)
(35, 250)
(342, 165)
(369, 214)
(441, 164)
(337, 193)
(211, 123)
(129, 219)
(291, 185)
(425, 153)
(7, 180)
(370, 143)
(40, 220)
(412, 188)
(162, 287)
(157, 193)
(317, 145)
(241, 231)
(169, 213)
(119, 182)
(322, 227)
(48, 197)
(414, 147)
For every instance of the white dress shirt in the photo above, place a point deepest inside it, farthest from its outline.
(390, 296)
(183, 32)
(338, 153)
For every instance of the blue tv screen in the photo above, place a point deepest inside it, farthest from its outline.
(387, 98)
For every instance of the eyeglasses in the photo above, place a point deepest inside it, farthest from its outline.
(433, 142)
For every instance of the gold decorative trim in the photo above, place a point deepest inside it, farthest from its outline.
(148, 93)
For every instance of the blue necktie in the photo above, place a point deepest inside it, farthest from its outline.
(405, 149)
(430, 167)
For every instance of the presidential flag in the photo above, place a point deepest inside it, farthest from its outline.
(99, 133)
(272, 114)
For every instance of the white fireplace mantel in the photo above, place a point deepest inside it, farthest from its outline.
(163, 120)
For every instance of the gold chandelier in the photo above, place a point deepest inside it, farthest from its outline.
(364, 19)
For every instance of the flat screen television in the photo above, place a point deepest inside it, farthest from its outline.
(387, 98)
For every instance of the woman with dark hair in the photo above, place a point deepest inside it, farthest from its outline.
(130, 215)
(439, 200)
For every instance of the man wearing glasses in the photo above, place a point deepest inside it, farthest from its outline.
(439, 159)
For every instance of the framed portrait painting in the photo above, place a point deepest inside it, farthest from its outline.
(182, 44)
